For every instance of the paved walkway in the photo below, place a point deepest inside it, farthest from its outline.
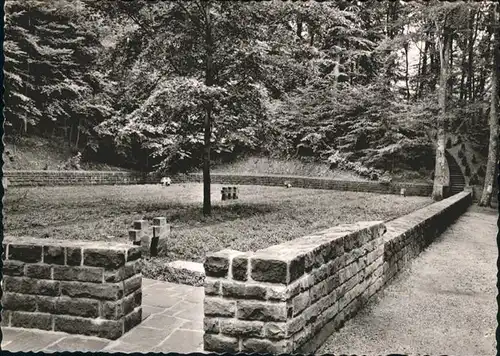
(443, 305)
(172, 322)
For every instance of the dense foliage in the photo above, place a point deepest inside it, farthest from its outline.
(349, 83)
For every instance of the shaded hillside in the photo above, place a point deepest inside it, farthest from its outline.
(38, 153)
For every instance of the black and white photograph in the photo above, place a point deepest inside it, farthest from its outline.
(273, 177)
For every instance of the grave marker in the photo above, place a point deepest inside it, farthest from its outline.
(229, 193)
(138, 232)
(224, 194)
(152, 239)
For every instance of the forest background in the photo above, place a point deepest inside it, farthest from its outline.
(373, 87)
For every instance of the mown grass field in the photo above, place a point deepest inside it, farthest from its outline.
(262, 216)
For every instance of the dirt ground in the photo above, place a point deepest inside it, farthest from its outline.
(444, 304)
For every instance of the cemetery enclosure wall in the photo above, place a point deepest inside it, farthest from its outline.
(55, 178)
(88, 288)
(408, 235)
(412, 189)
(290, 297)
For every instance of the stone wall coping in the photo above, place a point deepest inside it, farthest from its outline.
(255, 175)
(306, 244)
(34, 241)
(67, 171)
(299, 247)
(416, 218)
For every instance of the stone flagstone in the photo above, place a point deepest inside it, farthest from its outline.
(172, 322)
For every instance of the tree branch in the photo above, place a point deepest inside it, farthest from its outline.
(193, 18)
(150, 34)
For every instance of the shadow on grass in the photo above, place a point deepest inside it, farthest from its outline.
(180, 215)
(189, 213)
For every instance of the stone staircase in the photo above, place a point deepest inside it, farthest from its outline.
(457, 179)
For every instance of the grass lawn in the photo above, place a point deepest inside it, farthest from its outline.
(262, 216)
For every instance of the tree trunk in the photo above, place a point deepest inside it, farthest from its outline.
(479, 90)
(70, 136)
(470, 72)
(450, 68)
(407, 74)
(463, 66)
(77, 140)
(493, 144)
(336, 70)
(443, 43)
(209, 77)
(434, 67)
(299, 27)
(423, 72)
(418, 77)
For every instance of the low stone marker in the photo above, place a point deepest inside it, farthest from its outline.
(161, 231)
(229, 193)
(166, 181)
(151, 239)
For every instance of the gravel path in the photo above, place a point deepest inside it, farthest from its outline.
(443, 304)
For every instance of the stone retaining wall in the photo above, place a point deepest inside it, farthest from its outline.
(412, 189)
(290, 297)
(56, 178)
(88, 288)
(408, 235)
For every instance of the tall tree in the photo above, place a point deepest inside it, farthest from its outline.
(203, 62)
(443, 40)
(491, 166)
(49, 53)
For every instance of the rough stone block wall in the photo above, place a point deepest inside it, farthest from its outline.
(409, 235)
(74, 287)
(56, 178)
(290, 297)
(412, 189)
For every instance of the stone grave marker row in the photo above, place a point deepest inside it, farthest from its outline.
(229, 193)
